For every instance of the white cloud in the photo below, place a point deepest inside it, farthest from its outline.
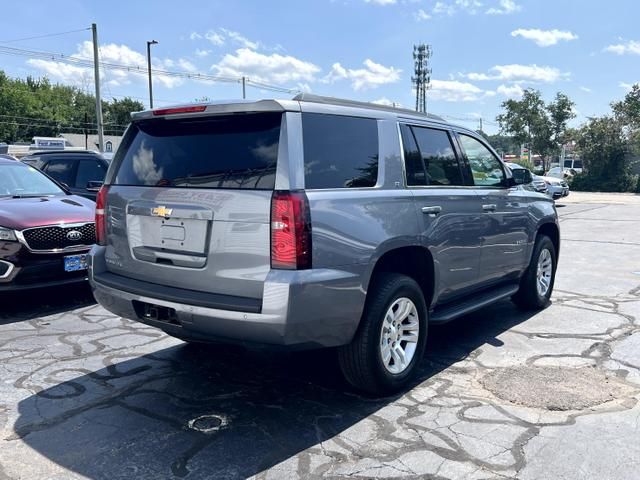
(627, 86)
(544, 38)
(506, 7)
(442, 8)
(454, 91)
(63, 72)
(201, 53)
(214, 37)
(372, 76)
(186, 65)
(241, 39)
(421, 15)
(585, 89)
(632, 47)
(387, 103)
(519, 73)
(221, 36)
(510, 91)
(381, 2)
(470, 6)
(273, 68)
(117, 54)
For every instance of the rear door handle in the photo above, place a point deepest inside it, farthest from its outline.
(434, 210)
(490, 207)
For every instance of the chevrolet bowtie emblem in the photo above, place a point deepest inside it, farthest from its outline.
(161, 212)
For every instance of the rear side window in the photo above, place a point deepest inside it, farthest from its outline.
(234, 151)
(416, 175)
(438, 157)
(339, 152)
(61, 169)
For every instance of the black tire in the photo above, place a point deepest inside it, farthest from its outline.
(527, 296)
(361, 360)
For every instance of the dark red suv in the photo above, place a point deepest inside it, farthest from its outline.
(45, 233)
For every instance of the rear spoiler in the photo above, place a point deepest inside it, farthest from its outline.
(218, 108)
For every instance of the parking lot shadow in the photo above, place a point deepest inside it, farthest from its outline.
(212, 412)
(36, 303)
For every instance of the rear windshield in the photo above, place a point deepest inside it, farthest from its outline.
(237, 151)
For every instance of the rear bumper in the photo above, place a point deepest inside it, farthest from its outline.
(299, 309)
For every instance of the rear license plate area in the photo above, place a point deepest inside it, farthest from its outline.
(75, 263)
(157, 313)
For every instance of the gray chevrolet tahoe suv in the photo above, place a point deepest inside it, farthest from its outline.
(316, 222)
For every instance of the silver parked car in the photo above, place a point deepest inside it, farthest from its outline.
(533, 181)
(316, 222)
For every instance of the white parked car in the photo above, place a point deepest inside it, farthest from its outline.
(556, 187)
(561, 173)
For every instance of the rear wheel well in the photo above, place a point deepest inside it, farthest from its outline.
(415, 262)
(551, 231)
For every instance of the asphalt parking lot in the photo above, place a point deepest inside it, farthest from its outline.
(501, 393)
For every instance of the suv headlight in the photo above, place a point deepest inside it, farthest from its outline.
(7, 234)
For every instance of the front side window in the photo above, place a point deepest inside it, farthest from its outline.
(439, 158)
(89, 171)
(485, 167)
(339, 152)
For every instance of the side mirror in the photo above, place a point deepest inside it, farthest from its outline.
(521, 176)
(94, 186)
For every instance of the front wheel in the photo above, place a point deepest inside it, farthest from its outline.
(391, 338)
(537, 282)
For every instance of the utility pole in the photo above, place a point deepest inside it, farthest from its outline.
(86, 131)
(152, 42)
(244, 88)
(422, 79)
(96, 67)
(480, 120)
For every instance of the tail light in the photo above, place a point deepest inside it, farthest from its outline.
(101, 215)
(290, 231)
(174, 111)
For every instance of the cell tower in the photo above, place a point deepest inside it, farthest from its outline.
(422, 80)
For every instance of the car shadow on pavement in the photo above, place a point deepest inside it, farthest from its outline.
(36, 303)
(210, 411)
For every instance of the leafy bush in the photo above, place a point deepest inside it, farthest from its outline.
(590, 183)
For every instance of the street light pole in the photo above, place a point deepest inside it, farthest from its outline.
(152, 42)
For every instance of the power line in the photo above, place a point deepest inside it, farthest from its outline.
(138, 69)
(35, 119)
(60, 126)
(47, 35)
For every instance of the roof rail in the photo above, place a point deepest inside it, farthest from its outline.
(309, 97)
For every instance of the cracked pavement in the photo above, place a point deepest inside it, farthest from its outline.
(84, 394)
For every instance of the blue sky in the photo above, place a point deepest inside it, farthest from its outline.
(484, 50)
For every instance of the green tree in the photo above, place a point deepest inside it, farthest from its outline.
(560, 112)
(602, 145)
(118, 112)
(539, 126)
(35, 107)
(627, 111)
